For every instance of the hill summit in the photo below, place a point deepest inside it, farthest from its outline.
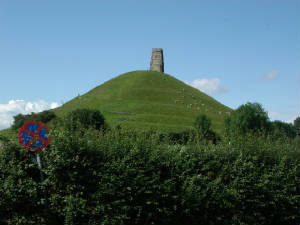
(144, 99)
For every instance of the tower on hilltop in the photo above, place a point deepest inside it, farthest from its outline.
(157, 60)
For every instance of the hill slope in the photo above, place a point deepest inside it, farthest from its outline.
(144, 99)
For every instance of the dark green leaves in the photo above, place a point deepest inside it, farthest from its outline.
(125, 177)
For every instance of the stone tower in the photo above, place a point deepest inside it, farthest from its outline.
(157, 60)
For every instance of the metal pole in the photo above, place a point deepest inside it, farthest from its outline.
(38, 160)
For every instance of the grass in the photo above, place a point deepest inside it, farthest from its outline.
(147, 99)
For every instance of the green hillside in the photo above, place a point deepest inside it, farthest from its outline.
(144, 99)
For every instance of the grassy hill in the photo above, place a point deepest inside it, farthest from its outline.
(144, 99)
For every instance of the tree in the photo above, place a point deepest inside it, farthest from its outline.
(86, 118)
(44, 117)
(250, 117)
(202, 125)
(19, 120)
(280, 128)
(297, 125)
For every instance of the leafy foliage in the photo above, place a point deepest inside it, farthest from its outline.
(85, 118)
(250, 117)
(45, 116)
(182, 137)
(202, 124)
(297, 125)
(124, 177)
(280, 128)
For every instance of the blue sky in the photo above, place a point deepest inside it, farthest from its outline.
(236, 51)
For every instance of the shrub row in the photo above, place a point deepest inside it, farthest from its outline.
(119, 177)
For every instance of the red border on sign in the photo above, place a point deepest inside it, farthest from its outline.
(34, 136)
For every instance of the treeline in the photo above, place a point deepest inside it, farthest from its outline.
(44, 117)
(251, 117)
(248, 118)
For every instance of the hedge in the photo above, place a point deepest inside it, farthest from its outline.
(120, 177)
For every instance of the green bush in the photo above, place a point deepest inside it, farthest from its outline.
(124, 177)
(280, 128)
(250, 117)
(202, 124)
(85, 118)
(44, 117)
(192, 135)
(21, 193)
(297, 125)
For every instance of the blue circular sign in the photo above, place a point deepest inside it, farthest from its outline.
(34, 136)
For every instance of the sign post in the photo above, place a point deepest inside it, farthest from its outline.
(39, 165)
(34, 137)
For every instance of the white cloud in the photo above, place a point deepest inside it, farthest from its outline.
(14, 107)
(212, 86)
(271, 75)
(273, 113)
(282, 116)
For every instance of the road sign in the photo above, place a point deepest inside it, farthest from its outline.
(34, 136)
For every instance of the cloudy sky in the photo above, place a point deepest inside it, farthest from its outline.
(236, 51)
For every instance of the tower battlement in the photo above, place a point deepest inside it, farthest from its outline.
(157, 60)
